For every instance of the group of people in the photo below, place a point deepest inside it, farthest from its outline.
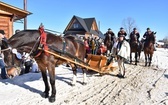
(94, 47)
(27, 61)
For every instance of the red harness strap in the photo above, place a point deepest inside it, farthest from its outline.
(43, 39)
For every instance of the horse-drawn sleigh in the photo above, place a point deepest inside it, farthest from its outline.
(49, 51)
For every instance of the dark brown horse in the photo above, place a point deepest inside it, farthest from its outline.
(149, 48)
(135, 47)
(109, 41)
(69, 47)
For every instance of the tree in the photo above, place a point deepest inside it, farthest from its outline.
(128, 24)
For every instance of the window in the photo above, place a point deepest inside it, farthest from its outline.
(75, 25)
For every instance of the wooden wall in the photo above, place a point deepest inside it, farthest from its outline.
(6, 24)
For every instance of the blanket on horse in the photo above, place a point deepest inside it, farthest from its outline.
(125, 50)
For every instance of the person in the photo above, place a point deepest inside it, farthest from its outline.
(145, 37)
(28, 62)
(35, 68)
(102, 49)
(111, 33)
(2, 64)
(122, 32)
(147, 33)
(86, 46)
(93, 45)
(121, 36)
(96, 44)
(135, 32)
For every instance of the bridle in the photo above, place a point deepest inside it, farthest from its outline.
(10, 49)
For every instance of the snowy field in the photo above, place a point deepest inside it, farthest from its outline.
(142, 86)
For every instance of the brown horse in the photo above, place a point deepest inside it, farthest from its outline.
(135, 47)
(149, 48)
(109, 41)
(69, 47)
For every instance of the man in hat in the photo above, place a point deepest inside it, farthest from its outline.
(148, 32)
(135, 32)
(113, 37)
(2, 64)
(122, 32)
(145, 36)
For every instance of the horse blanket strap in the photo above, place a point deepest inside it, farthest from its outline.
(64, 45)
(43, 39)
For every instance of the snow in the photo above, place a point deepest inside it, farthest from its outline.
(143, 85)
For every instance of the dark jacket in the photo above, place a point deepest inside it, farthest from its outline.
(137, 34)
(113, 37)
(122, 33)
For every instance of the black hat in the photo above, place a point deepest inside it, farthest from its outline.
(148, 28)
(121, 28)
(109, 28)
(2, 32)
(134, 29)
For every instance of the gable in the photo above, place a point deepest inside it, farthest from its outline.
(94, 26)
(75, 25)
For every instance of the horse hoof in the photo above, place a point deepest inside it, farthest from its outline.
(84, 83)
(52, 99)
(44, 95)
(72, 84)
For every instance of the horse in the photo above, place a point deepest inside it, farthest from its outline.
(109, 41)
(29, 41)
(135, 47)
(149, 48)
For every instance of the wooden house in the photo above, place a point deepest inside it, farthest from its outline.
(8, 15)
(82, 27)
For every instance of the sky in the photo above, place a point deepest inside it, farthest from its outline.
(56, 14)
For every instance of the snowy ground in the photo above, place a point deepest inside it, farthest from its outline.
(142, 86)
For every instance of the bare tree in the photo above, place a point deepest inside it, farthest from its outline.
(129, 24)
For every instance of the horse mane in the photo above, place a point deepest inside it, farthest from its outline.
(151, 38)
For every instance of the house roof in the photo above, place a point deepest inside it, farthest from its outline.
(86, 23)
(12, 10)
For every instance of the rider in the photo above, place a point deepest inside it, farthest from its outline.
(145, 36)
(2, 64)
(113, 37)
(135, 32)
(147, 33)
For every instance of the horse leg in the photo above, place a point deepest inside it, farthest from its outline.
(131, 58)
(136, 56)
(145, 59)
(84, 77)
(150, 59)
(51, 69)
(74, 75)
(45, 80)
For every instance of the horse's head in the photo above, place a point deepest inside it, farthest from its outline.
(133, 38)
(151, 37)
(21, 42)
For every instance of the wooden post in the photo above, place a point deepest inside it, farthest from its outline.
(25, 19)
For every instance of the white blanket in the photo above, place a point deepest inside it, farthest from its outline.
(125, 50)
